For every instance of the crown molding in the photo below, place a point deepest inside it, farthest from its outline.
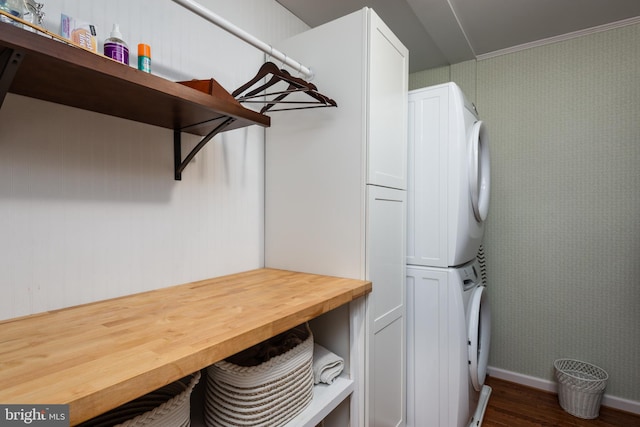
(563, 37)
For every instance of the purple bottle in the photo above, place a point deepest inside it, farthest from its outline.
(115, 48)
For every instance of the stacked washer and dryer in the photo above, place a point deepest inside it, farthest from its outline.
(448, 313)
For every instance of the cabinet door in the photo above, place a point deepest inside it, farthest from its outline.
(387, 109)
(427, 349)
(386, 210)
(427, 237)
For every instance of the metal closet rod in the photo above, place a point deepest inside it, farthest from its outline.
(200, 10)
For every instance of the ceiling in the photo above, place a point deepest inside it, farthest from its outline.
(442, 32)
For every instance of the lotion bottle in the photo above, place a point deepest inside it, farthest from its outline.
(116, 48)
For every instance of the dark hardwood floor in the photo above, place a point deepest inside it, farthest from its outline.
(514, 405)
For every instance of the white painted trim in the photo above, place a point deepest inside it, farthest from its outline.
(550, 386)
(562, 37)
(523, 379)
(357, 354)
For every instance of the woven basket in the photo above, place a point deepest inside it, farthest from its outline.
(169, 406)
(269, 394)
(580, 387)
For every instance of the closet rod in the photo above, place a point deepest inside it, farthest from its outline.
(198, 9)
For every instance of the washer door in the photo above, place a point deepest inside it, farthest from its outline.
(479, 171)
(479, 330)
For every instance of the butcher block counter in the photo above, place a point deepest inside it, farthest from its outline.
(98, 356)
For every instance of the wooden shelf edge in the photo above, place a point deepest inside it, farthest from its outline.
(58, 72)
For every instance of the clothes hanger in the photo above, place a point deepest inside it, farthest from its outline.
(272, 81)
(296, 84)
(277, 76)
(312, 89)
(266, 69)
(321, 100)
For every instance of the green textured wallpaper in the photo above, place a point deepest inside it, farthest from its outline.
(464, 74)
(429, 77)
(563, 236)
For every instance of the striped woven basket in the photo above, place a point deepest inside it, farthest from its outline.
(169, 406)
(269, 394)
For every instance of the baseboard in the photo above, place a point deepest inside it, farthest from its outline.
(523, 379)
(546, 385)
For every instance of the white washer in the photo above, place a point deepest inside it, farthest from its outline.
(448, 337)
(449, 177)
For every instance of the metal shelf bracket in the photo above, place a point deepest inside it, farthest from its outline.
(179, 163)
(10, 61)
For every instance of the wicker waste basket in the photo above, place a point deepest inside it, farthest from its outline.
(580, 387)
(266, 385)
(169, 406)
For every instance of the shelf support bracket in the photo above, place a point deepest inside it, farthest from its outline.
(10, 61)
(179, 163)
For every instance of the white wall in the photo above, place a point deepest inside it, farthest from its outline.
(88, 203)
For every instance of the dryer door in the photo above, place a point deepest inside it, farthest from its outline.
(479, 170)
(479, 330)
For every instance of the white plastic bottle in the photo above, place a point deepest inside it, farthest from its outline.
(27, 14)
(116, 48)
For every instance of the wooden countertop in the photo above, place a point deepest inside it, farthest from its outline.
(98, 356)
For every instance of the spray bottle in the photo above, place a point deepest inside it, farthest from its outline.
(144, 58)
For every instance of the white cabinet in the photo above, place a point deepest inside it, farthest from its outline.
(428, 173)
(335, 201)
(386, 370)
(387, 121)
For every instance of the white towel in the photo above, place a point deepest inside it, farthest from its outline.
(326, 365)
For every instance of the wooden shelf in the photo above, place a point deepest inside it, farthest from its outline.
(55, 71)
(41, 67)
(98, 356)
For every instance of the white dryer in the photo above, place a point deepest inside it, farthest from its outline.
(448, 334)
(449, 177)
